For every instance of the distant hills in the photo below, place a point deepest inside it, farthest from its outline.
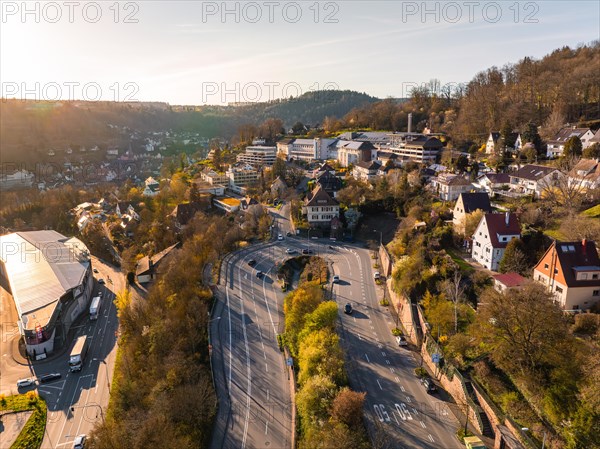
(29, 128)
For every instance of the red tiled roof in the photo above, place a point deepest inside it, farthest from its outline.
(510, 279)
(497, 226)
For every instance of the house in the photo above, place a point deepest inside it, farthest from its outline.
(227, 204)
(352, 152)
(330, 183)
(151, 188)
(366, 171)
(124, 208)
(183, 213)
(508, 281)
(385, 157)
(556, 146)
(449, 186)
(493, 181)
(490, 145)
(324, 167)
(320, 208)
(468, 203)
(147, 267)
(278, 186)
(571, 272)
(491, 237)
(533, 179)
(585, 174)
(246, 202)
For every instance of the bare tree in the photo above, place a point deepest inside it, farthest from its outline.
(455, 292)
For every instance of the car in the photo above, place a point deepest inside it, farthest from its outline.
(429, 385)
(50, 377)
(289, 234)
(348, 309)
(96, 270)
(101, 281)
(252, 262)
(259, 274)
(27, 382)
(336, 279)
(376, 275)
(307, 251)
(99, 293)
(290, 251)
(79, 442)
(280, 237)
(401, 340)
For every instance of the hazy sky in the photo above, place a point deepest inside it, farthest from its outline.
(194, 52)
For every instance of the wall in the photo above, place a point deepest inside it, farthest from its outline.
(386, 261)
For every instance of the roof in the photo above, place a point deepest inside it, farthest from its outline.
(498, 178)
(533, 172)
(586, 169)
(329, 181)
(566, 133)
(571, 256)
(371, 165)
(497, 226)
(143, 265)
(326, 167)
(473, 201)
(495, 135)
(510, 279)
(184, 212)
(319, 197)
(452, 180)
(596, 137)
(41, 266)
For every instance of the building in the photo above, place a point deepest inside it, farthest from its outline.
(151, 188)
(147, 267)
(493, 181)
(571, 272)
(491, 237)
(366, 171)
(533, 179)
(241, 175)
(585, 174)
(227, 204)
(258, 156)
(20, 179)
(416, 147)
(492, 142)
(327, 148)
(50, 279)
(278, 186)
(320, 208)
(212, 177)
(299, 149)
(330, 183)
(449, 186)
(508, 281)
(184, 212)
(556, 146)
(468, 203)
(352, 152)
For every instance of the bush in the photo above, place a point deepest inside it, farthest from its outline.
(384, 302)
(420, 372)
(461, 434)
(396, 332)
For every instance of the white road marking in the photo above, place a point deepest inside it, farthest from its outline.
(423, 425)
(367, 358)
(395, 417)
(397, 379)
(392, 370)
(383, 353)
(359, 337)
(430, 438)
(387, 361)
(402, 388)
(408, 399)
(380, 387)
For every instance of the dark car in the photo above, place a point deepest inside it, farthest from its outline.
(429, 385)
(307, 251)
(289, 234)
(101, 281)
(259, 274)
(348, 309)
(49, 377)
(252, 262)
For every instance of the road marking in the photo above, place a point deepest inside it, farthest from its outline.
(359, 337)
(380, 346)
(383, 353)
(267, 427)
(354, 318)
(380, 387)
(392, 370)
(402, 388)
(387, 361)
(423, 425)
(267, 367)
(395, 417)
(367, 358)
(430, 438)
(408, 399)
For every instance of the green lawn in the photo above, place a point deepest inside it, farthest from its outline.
(33, 432)
(464, 266)
(592, 212)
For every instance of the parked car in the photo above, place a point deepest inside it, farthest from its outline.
(252, 262)
(79, 442)
(259, 274)
(280, 237)
(348, 309)
(336, 279)
(401, 340)
(307, 251)
(429, 385)
(101, 281)
(289, 234)
(376, 275)
(50, 377)
(22, 383)
(290, 251)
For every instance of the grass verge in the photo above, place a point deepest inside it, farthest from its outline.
(32, 435)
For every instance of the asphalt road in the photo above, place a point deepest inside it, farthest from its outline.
(249, 369)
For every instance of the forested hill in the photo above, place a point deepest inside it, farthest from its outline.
(28, 127)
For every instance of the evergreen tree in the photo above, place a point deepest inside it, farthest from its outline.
(514, 259)
(573, 147)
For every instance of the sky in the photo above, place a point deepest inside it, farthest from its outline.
(193, 52)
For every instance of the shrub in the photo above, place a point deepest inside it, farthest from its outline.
(396, 332)
(420, 372)
(384, 302)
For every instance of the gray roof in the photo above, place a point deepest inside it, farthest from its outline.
(42, 266)
(533, 172)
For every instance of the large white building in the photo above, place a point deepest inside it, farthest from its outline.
(320, 208)
(416, 147)
(491, 237)
(49, 277)
(241, 175)
(556, 146)
(258, 155)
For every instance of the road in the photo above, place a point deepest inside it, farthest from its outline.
(249, 369)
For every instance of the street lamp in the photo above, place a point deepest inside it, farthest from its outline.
(107, 381)
(380, 236)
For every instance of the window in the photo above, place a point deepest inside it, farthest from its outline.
(556, 271)
(583, 276)
(594, 276)
(559, 289)
(546, 266)
(596, 293)
(504, 239)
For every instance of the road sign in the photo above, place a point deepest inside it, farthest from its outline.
(435, 358)
(289, 361)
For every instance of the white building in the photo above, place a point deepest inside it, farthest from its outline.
(212, 177)
(258, 155)
(20, 179)
(556, 146)
(533, 179)
(241, 175)
(320, 208)
(491, 237)
(299, 149)
(151, 187)
(366, 171)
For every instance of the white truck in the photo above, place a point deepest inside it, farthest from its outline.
(95, 307)
(78, 354)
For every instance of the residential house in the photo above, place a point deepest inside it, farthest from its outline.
(468, 203)
(184, 212)
(595, 139)
(533, 179)
(492, 142)
(385, 157)
(556, 146)
(151, 187)
(320, 208)
(330, 183)
(246, 202)
(585, 174)
(366, 171)
(278, 186)
(508, 281)
(571, 272)
(493, 181)
(324, 167)
(148, 267)
(124, 208)
(449, 186)
(491, 237)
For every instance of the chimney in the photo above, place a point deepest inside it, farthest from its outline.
(409, 122)
(583, 246)
(507, 218)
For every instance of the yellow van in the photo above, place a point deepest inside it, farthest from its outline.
(474, 443)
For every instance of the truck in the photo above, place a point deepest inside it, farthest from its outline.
(95, 307)
(78, 354)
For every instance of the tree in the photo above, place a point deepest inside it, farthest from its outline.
(194, 193)
(531, 135)
(508, 136)
(592, 152)
(470, 222)
(320, 353)
(455, 291)
(314, 399)
(298, 128)
(514, 259)
(347, 407)
(529, 153)
(573, 147)
(279, 168)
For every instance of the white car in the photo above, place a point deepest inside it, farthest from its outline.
(336, 279)
(79, 442)
(280, 237)
(290, 251)
(22, 383)
(401, 340)
(376, 275)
